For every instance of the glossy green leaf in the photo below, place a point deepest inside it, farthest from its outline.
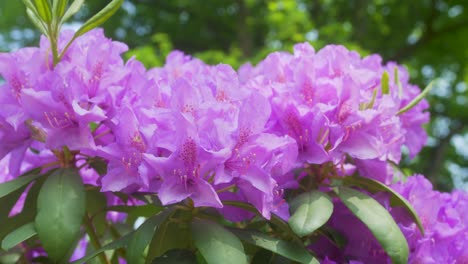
(170, 235)
(333, 236)
(101, 17)
(74, 7)
(286, 249)
(142, 237)
(395, 198)
(96, 203)
(417, 99)
(44, 10)
(378, 220)
(176, 256)
(29, 209)
(248, 207)
(121, 242)
(59, 7)
(8, 202)
(216, 244)
(385, 83)
(61, 206)
(13, 185)
(19, 235)
(310, 211)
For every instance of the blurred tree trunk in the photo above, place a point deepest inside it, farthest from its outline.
(244, 34)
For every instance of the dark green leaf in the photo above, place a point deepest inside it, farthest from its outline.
(170, 235)
(176, 256)
(8, 202)
(96, 203)
(376, 186)
(61, 206)
(100, 17)
(379, 222)
(142, 237)
(309, 211)
(262, 256)
(11, 186)
(385, 83)
(99, 165)
(274, 218)
(286, 249)
(216, 244)
(29, 209)
(19, 235)
(333, 236)
(74, 7)
(119, 243)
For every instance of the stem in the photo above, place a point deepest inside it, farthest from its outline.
(94, 239)
(51, 164)
(226, 188)
(66, 47)
(53, 44)
(102, 134)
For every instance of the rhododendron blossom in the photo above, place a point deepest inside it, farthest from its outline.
(201, 135)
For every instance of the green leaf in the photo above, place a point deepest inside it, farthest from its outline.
(8, 202)
(96, 203)
(61, 206)
(333, 236)
(10, 258)
(216, 244)
(170, 235)
(176, 256)
(142, 237)
(11, 186)
(43, 9)
(59, 7)
(417, 99)
(29, 4)
(379, 222)
(19, 235)
(286, 249)
(274, 218)
(310, 211)
(375, 186)
(74, 7)
(100, 17)
(385, 83)
(29, 209)
(33, 14)
(121, 242)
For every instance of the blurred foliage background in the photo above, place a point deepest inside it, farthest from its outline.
(429, 36)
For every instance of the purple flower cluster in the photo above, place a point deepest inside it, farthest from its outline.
(444, 217)
(208, 133)
(334, 104)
